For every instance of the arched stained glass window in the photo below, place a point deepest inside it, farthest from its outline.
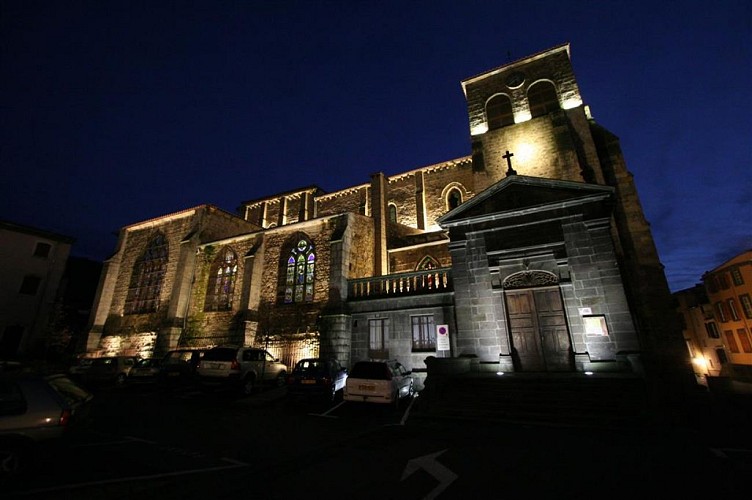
(147, 278)
(392, 212)
(299, 277)
(427, 263)
(221, 286)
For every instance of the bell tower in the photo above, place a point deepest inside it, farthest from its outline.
(530, 108)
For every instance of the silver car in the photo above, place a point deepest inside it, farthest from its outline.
(240, 368)
(35, 409)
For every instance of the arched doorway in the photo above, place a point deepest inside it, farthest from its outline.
(537, 323)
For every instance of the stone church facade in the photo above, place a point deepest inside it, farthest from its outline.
(530, 254)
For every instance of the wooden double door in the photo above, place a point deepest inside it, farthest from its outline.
(539, 333)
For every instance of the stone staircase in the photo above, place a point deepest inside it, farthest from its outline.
(574, 399)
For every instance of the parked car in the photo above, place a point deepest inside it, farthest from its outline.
(378, 382)
(145, 371)
(109, 370)
(316, 377)
(240, 368)
(36, 409)
(179, 366)
(78, 368)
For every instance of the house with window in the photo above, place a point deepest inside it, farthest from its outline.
(729, 292)
(701, 334)
(531, 253)
(32, 264)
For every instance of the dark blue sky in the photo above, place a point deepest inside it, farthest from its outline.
(115, 112)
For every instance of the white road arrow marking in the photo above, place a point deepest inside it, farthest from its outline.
(433, 467)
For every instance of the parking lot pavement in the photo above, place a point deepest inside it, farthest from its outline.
(97, 463)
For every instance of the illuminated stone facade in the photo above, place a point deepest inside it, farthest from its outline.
(542, 264)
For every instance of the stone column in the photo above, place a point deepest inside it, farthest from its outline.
(380, 214)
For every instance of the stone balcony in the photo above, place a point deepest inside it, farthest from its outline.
(400, 285)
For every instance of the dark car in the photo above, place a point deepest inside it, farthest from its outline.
(316, 377)
(178, 367)
(145, 371)
(109, 370)
(36, 410)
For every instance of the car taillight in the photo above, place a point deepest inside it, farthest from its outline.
(235, 365)
(65, 417)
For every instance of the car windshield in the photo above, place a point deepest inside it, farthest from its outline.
(176, 357)
(220, 354)
(103, 361)
(371, 370)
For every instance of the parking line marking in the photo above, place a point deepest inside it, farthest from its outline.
(132, 478)
(332, 409)
(140, 440)
(236, 462)
(322, 415)
(407, 412)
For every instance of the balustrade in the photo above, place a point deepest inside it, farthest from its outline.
(415, 283)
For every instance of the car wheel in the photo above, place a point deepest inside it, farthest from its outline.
(12, 459)
(281, 379)
(120, 379)
(248, 383)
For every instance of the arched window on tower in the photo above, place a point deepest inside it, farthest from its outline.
(392, 212)
(499, 112)
(221, 286)
(147, 278)
(453, 199)
(542, 98)
(299, 276)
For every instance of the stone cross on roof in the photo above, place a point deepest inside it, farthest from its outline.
(508, 158)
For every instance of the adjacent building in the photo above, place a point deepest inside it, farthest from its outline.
(701, 334)
(32, 263)
(532, 253)
(729, 292)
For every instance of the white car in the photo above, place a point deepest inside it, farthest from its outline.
(240, 367)
(383, 382)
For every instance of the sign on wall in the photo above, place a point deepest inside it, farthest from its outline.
(442, 337)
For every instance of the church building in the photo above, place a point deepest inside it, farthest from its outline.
(531, 254)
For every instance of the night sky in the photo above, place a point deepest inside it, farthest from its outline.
(116, 112)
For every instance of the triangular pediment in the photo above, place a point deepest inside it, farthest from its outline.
(521, 194)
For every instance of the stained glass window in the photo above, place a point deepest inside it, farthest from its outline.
(147, 278)
(221, 286)
(299, 277)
